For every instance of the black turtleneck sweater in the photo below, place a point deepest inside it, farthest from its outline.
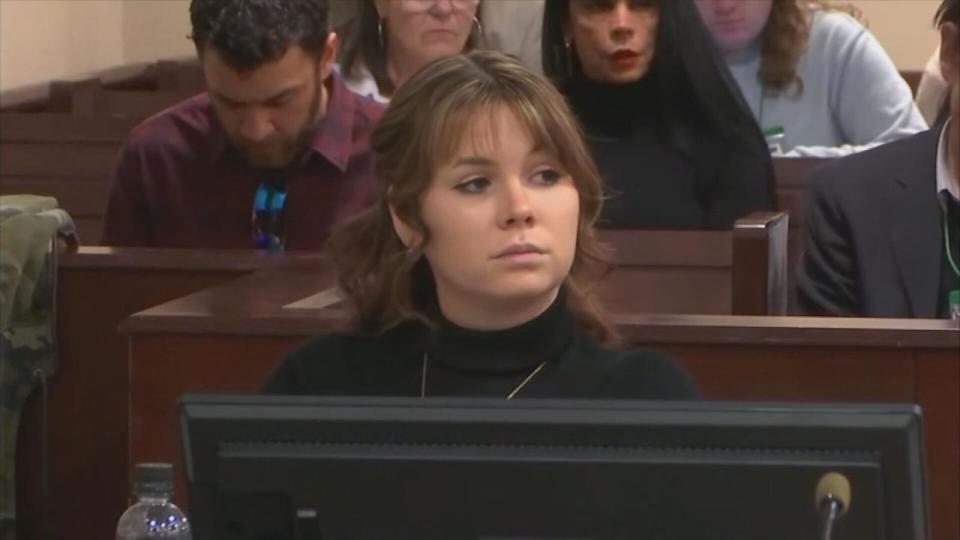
(463, 362)
(666, 173)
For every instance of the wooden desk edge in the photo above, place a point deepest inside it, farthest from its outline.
(182, 259)
(653, 329)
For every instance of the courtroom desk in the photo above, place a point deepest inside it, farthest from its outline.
(912, 77)
(742, 271)
(791, 179)
(88, 396)
(830, 359)
(229, 338)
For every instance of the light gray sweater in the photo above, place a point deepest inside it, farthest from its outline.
(853, 96)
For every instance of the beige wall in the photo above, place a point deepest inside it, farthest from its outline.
(42, 40)
(904, 27)
(154, 29)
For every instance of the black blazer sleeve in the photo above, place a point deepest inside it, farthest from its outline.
(827, 275)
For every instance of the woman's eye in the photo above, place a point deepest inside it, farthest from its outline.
(473, 185)
(547, 177)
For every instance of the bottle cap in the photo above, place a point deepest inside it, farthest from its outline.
(153, 479)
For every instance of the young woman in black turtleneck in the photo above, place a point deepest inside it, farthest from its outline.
(675, 143)
(471, 276)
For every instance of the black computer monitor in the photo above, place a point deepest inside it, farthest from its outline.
(346, 468)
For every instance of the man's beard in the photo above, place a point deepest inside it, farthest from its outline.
(280, 152)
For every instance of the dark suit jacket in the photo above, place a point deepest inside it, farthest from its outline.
(874, 233)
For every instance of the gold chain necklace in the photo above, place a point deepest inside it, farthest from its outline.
(423, 378)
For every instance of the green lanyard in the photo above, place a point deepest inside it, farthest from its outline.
(768, 132)
(946, 240)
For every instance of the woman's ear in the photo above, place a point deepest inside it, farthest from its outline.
(407, 234)
(382, 8)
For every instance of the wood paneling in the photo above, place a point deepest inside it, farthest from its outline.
(229, 337)
(89, 401)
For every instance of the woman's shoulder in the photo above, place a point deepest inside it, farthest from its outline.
(644, 374)
(336, 345)
(829, 26)
(335, 362)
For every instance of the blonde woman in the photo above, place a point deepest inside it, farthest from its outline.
(389, 40)
(472, 276)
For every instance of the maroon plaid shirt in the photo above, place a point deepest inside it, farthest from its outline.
(179, 184)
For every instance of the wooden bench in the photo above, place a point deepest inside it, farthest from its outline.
(230, 337)
(88, 397)
(168, 79)
(95, 100)
(742, 271)
(67, 157)
(912, 77)
(181, 75)
(791, 178)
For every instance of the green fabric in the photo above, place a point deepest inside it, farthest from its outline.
(29, 227)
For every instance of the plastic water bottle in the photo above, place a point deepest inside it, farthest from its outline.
(153, 515)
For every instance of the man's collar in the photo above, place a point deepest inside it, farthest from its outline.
(332, 138)
(943, 167)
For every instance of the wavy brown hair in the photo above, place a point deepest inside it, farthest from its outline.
(363, 45)
(430, 116)
(784, 40)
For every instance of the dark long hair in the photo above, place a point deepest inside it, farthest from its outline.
(694, 88)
